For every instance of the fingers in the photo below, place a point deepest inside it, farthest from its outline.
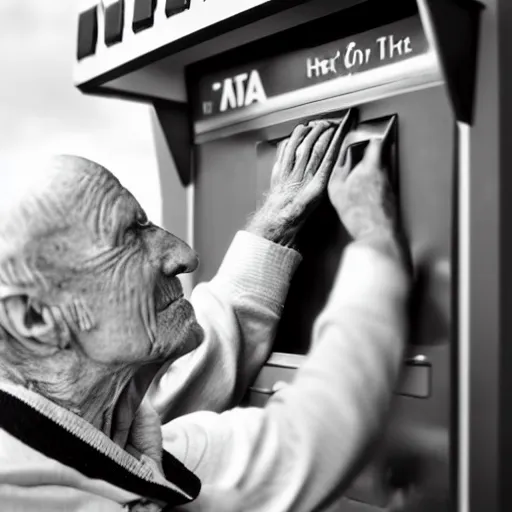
(372, 157)
(289, 152)
(278, 163)
(319, 151)
(280, 151)
(346, 166)
(327, 165)
(313, 147)
(348, 141)
(373, 154)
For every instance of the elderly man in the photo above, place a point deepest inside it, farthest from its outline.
(91, 309)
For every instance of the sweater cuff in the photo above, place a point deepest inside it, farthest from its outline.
(366, 272)
(258, 266)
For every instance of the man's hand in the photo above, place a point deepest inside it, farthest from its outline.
(299, 179)
(365, 202)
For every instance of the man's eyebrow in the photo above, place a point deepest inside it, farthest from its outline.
(123, 212)
(128, 205)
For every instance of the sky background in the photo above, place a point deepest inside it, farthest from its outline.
(41, 112)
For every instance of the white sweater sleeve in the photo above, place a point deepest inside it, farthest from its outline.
(239, 310)
(293, 454)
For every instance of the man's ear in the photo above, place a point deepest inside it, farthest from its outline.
(32, 323)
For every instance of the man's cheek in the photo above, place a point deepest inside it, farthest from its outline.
(130, 341)
(116, 344)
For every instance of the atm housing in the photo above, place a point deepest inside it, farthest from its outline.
(232, 171)
(223, 160)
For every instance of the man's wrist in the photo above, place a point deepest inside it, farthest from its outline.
(275, 224)
(274, 233)
(389, 244)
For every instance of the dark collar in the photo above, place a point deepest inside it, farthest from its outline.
(41, 433)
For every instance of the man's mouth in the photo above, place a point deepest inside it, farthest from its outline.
(167, 292)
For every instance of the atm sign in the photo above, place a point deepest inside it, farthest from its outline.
(257, 82)
(242, 90)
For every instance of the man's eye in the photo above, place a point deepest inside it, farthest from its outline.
(137, 226)
(143, 223)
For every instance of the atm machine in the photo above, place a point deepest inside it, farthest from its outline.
(229, 79)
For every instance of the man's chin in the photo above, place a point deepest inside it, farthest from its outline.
(195, 338)
(178, 331)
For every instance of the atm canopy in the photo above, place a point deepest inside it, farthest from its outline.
(157, 50)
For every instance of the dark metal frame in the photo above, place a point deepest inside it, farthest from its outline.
(490, 275)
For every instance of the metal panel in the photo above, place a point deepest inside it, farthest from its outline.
(484, 276)
(231, 175)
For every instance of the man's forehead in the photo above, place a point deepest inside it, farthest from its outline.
(91, 175)
(92, 179)
(80, 171)
(31, 174)
(63, 180)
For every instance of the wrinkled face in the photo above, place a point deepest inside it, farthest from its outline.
(123, 270)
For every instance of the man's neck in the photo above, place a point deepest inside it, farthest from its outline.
(96, 401)
(92, 395)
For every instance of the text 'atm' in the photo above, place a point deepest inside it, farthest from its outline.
(228, 81)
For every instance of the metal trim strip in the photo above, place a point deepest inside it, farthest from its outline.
(464, 346)
(417, 72)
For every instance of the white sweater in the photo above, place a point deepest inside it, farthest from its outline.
(289, 456)
(293, 454)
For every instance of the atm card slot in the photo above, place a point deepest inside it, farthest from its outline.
(384, 128)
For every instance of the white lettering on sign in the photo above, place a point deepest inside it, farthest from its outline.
(320, 67)
(356, 56)
(389, 48)
(240, 91)
(255, 91)
(240, 88)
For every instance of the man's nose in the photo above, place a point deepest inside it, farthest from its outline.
(177, 257)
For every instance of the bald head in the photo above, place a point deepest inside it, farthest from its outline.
(36, 202)
(83, 276)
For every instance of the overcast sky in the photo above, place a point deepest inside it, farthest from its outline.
(41, 112)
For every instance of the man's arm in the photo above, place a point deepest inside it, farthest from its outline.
(301, 451)
(303, 446)
(239, 309)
